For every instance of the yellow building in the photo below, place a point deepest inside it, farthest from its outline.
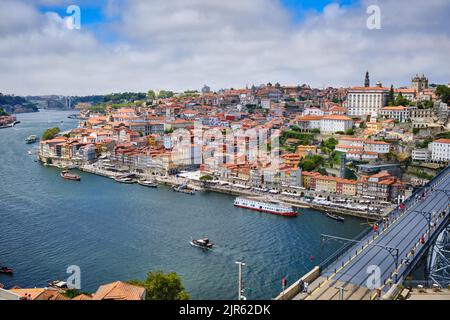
(303, 151)
(326, 184)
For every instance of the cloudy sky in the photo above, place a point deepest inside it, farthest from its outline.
(136, 45)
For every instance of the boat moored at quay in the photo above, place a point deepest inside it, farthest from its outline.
(268, 206)
(68, 176)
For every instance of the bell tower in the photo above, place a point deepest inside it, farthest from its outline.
(367, 81)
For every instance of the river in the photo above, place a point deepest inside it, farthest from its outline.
(121, 232)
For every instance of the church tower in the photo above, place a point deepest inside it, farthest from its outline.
(367, 81)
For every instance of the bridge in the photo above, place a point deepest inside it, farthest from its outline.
(373, 264)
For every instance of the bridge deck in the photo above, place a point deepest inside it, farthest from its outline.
(404, 232)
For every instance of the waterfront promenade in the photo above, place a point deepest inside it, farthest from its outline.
(294, 200)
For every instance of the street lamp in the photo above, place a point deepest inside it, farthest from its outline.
(240, 281)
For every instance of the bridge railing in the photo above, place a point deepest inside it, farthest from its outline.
(342, 250)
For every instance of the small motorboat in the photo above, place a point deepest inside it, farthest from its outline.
(31, 139)
(125, 180)
(6, 270)
(68, 176)
(335, 217)
(147, 183)
(58, 284)
(202, 243)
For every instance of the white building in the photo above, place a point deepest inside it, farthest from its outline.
(379, 147)
(440, 150)
(421, 155)
(399, 113)
(407, 93)
(363, 101)
(362, 149)
(312, 112)
(326, 124)
(335, 123)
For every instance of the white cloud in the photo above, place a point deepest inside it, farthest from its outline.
(183, 44)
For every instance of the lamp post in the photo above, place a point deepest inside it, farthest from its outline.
(240, 281)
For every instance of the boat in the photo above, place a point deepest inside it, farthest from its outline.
(268, 206)
(125, 180)
(183, 189)
(335, 217)
(6, 270)
(147, 183)
(68, 176)
(58, 284)
(31, 139)
(202, 243)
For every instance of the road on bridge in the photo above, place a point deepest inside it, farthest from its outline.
(351, 276)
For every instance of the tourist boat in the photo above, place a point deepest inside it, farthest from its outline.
(68, 176)
(125, 180)
(147, 183)
(202, 243)
(6, 270)
(268, 206)
(335, 217)
(31, 139)
(58, 284)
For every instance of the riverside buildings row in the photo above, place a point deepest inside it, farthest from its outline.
(237, 135)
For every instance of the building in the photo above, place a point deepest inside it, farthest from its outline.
(363, 101)
(362, 149)
(39, 294)
(335, 123)
(304, 151)
(407, 93)
(399, 113)
(421, 155)
(441, 110)
(326, 124)
(291, 177)
(119, 291)
(381, 186)
(440, 150)
(419, 83)
(206, 89)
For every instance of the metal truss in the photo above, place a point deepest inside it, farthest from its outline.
(439, 260)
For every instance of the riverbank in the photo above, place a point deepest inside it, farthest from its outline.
(230, 190)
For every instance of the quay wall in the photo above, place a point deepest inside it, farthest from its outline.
(200, 186)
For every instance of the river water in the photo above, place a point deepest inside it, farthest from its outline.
(121, 232)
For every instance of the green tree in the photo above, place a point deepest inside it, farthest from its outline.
(162, 286)
(329, 145)
(3, 113)
(391, 96)
(350, 132)
(443, 93)
(400, 101)
(151, 95)
(206, 178)
(163, 94)
(311, 162)
(50, 134)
